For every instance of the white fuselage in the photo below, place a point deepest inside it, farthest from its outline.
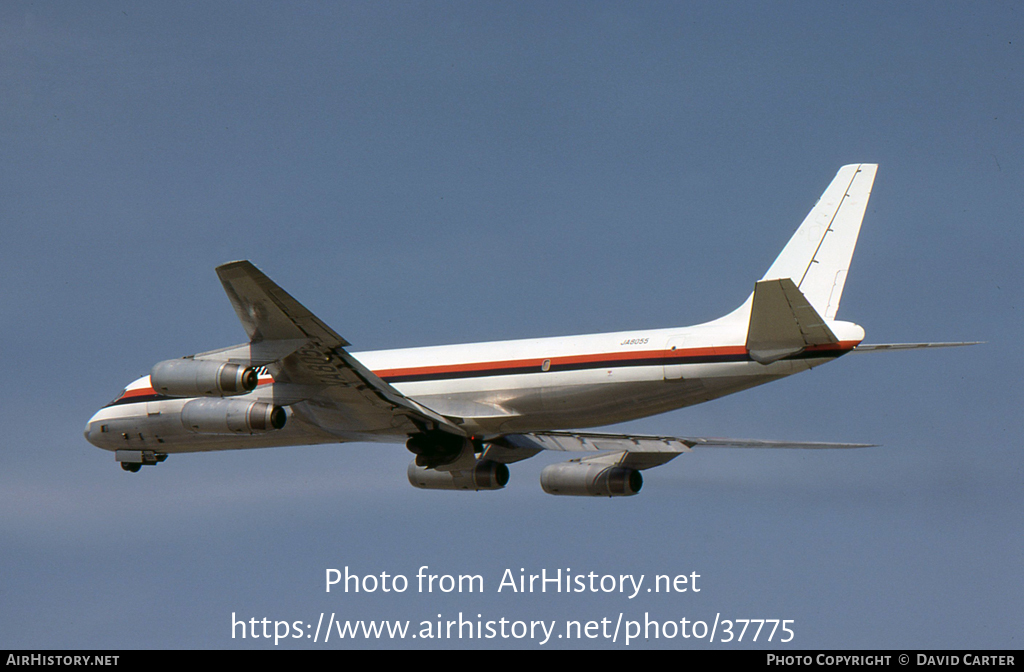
(503, 387)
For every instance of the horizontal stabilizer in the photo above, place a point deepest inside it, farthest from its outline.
(890, 347)
(782, 322)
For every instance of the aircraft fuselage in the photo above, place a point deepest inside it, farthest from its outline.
(499, 387)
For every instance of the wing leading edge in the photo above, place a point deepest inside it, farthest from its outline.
(318, 377)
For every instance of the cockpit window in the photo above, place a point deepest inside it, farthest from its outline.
(118, 397)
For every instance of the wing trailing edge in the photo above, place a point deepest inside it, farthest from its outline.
(637, 451)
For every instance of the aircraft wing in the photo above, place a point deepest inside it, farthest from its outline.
(313, 370)
(640, 451)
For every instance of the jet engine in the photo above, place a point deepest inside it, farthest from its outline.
(231, 416)
(485, 475)
(198, 378)
(594, 479)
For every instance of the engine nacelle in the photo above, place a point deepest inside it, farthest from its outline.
(199, 378)
(437, 447)
(231, 416)
(485, 475)
(593, 480)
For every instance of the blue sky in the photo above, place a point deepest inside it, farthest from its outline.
(428, 173)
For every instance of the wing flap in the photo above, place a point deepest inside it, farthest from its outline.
(624, 450)
(630, 459)
(643, 443)
(600, 442)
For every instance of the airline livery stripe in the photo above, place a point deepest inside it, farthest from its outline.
(140, 394)
(600, 361)
(556, 364)
(571, 362)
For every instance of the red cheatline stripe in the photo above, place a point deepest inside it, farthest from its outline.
(536, 362)
(138, 392)
(584, 359)
(150, 392)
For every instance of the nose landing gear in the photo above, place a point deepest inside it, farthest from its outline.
(133, 460)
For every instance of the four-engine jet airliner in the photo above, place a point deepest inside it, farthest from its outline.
(466, 411)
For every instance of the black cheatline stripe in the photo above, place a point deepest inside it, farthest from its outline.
(140, 398)
(576, 366)
(603, 364)
(514, 370)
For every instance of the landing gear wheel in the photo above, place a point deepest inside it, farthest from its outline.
(131, 466)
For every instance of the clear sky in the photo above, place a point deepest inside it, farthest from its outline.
(429, 173)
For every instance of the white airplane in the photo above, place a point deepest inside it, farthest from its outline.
(467, 411)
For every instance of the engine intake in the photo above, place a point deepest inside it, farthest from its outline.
(485, 475)
(198, 378)
(231, 416)
(436, 447)
(593, 480)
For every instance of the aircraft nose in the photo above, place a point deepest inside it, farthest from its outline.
(91, 431)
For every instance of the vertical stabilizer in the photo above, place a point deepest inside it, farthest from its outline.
(818, 255)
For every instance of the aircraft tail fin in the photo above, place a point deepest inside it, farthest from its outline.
(818, 255)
